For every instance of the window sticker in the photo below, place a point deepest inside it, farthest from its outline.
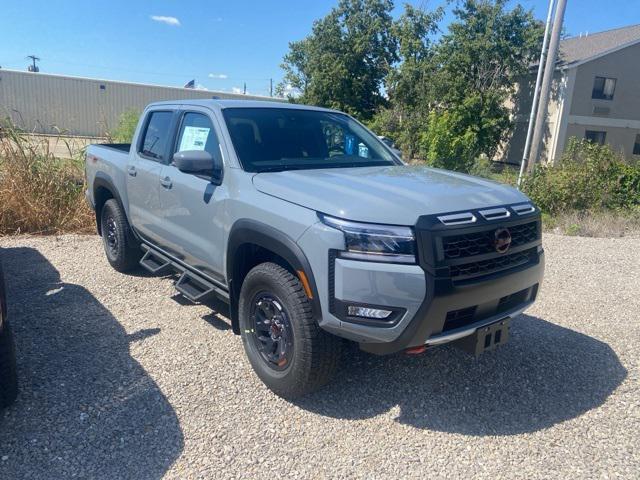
(194, 138)
(363, 150)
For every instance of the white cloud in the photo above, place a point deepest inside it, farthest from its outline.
(221, 76)
(236, 90)
(199, 86)
(173, 21)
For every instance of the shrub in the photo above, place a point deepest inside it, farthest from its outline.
(123, 133)
(40, 193)
(588, 177)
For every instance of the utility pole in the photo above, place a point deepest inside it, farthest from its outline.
(33, 67)
(271, 87)
(244, 90)
(534, 103)
(547, 80)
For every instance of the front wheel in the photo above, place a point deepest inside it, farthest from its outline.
(285, 346)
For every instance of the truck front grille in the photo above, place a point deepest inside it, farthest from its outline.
(479, 243)
(492, 265)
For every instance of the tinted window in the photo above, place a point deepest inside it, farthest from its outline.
(197, 133)
(267, 139)
(156, 135)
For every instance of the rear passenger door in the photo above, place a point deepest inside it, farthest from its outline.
(192, 206)
(151, 154)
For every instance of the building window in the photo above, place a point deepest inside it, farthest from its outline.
(603, 88)
(595, 136)
(636, 146)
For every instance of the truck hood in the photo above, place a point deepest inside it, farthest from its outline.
(393, 194)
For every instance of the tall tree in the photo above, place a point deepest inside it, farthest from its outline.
(478, 65)
(343, 62)
(409, 85)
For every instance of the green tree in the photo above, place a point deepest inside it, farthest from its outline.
(409, 86)
(343, 62)
(477, 65)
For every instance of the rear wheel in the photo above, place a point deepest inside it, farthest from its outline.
(123, 253)
(285, 346)
(8, 376)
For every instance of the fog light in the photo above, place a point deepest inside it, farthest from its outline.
(354, 311)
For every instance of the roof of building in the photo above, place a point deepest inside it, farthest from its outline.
(578, 50)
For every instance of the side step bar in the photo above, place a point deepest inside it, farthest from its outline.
(192, 286)
(197, 289)
(154, 262)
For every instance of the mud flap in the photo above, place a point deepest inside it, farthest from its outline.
(486, 338)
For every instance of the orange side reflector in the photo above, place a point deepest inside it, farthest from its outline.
(305, 283)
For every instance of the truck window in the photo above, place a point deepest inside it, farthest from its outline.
(197, 133)
(156, 134)
(273, 139)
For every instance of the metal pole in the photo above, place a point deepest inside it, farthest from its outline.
(547, 80)
(536, 92)
(271, 87)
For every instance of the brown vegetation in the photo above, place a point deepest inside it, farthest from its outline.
(39, 192)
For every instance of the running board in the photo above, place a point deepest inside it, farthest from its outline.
(192, 286)
(196, 288)
(155, 262)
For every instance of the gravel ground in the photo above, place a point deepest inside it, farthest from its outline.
(119, 379)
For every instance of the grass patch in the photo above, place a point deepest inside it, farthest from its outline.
(39, 192)
(604, 224)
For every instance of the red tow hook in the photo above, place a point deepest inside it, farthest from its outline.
(416, 350)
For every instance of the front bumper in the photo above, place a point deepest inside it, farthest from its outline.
(491, 300)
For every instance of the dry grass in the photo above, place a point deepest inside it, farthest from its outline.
(39, 192)
(605, 224)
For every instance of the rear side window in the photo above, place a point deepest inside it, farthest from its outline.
(154, 143)
(197, 133)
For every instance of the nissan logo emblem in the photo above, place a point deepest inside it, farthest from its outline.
(502, 240)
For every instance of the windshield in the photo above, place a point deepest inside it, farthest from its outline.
(275, 139)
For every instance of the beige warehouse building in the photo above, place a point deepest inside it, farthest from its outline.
(53, 104)
(596, 95)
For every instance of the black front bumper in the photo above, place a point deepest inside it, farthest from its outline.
(462, 293)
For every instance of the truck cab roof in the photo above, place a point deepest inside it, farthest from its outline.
(221, 104)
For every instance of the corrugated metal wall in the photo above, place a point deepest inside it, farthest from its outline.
(51, 104)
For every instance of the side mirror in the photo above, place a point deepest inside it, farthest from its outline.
(199, 162)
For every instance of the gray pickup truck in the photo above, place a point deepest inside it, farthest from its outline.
(314, 231)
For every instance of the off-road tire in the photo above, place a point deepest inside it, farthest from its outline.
(124, 254)
(316, 353)
(8, 375)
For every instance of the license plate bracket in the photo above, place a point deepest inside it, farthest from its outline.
(487, 338)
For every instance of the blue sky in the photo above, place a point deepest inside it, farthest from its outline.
(221, 44)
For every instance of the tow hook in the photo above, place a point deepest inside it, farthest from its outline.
(416, 350)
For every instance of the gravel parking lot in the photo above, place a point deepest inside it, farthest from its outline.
(121, 379)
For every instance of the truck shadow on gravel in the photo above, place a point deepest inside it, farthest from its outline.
(545, 375)
(86, 408)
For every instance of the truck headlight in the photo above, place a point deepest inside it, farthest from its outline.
(372, 242)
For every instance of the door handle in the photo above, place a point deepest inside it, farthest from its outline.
(166, 182)
(132, 171)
